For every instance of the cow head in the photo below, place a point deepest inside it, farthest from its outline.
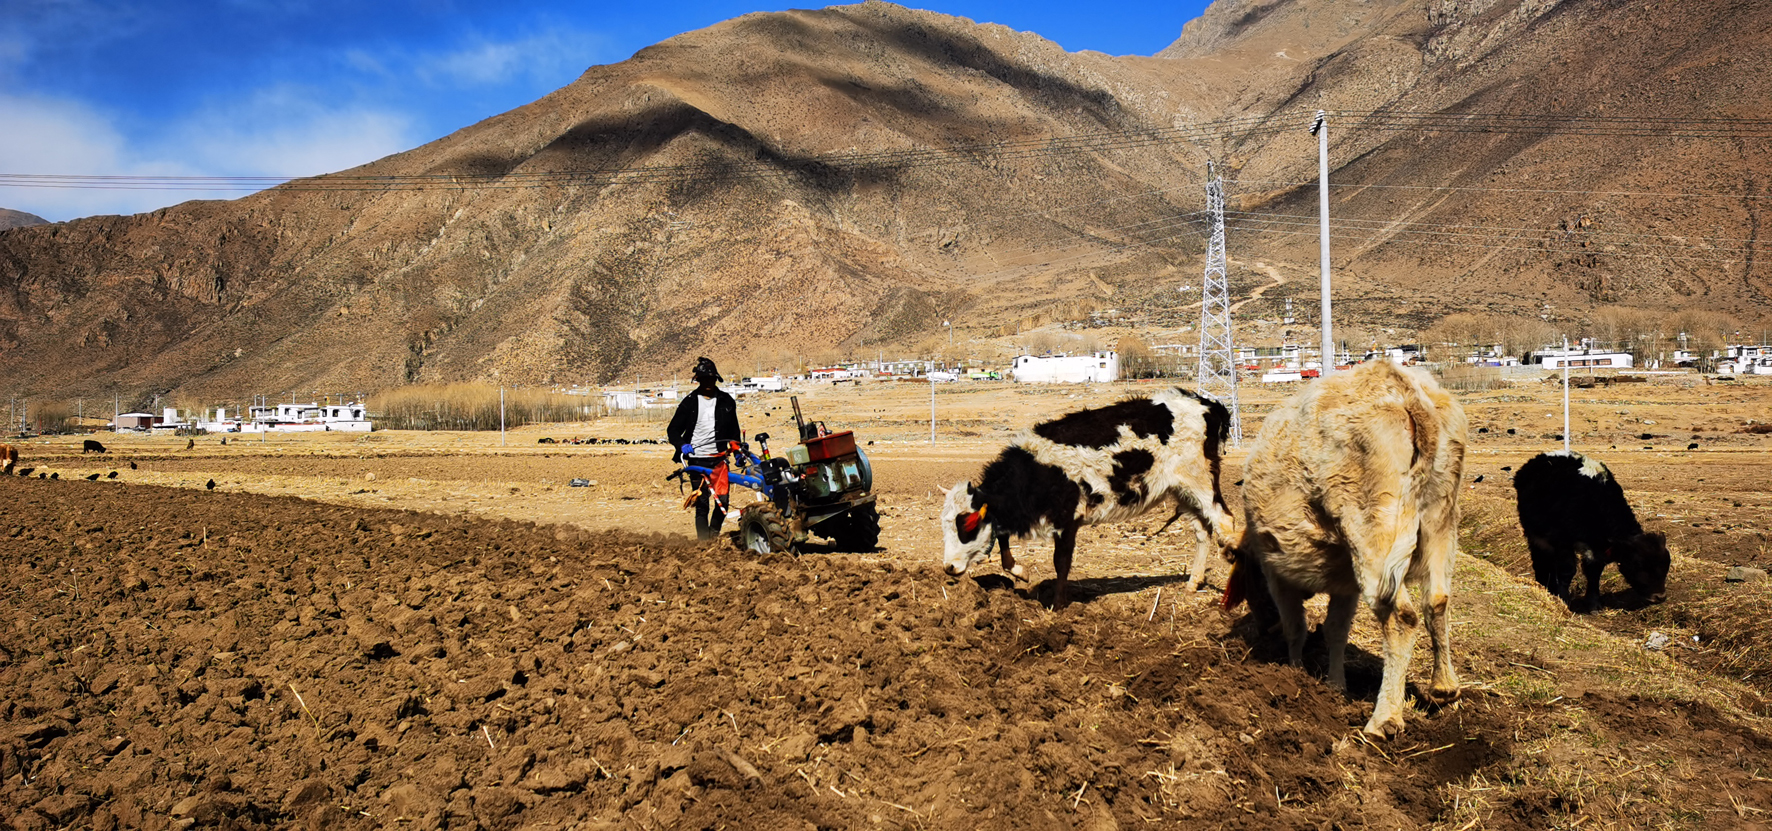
(966, 528)
(1644, 561)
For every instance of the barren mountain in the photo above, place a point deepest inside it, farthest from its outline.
(18, 219)
(810, 183)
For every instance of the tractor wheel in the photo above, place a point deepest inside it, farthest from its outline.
(859, 530)
(763, 530)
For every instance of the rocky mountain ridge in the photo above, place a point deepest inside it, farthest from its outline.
(771, 190)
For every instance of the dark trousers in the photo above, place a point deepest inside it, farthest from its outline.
(710, 510)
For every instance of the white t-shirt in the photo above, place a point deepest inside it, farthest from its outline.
(702, 437)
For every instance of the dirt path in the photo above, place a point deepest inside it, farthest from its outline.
(1257, 293)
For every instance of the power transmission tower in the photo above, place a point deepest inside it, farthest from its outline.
(1218, 369)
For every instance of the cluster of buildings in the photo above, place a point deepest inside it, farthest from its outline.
(1268, 364)
(266, 418)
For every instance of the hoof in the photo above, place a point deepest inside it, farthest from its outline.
(1383, 730)
(1443, 695)
(1018, 572)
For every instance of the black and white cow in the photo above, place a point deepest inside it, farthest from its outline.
(1094, 466)
(1571, 508)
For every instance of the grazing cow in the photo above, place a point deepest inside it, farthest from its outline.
(8, 459)
(1352, 491)
(92, 446)
(1570, 507)
(1094, 466)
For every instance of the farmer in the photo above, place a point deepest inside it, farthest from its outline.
(705, 423)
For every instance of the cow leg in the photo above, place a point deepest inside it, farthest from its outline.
(1544, 565)
(1062, 548)
(1202, 548)
(1592, 566)
(1397, 620)
(1009, 563)
(1382, 545)
(1220, 526)
(1289, 600)
(1336, 624)
(1439, 549)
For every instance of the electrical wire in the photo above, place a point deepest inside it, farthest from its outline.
(862, 163)
(1482, 189)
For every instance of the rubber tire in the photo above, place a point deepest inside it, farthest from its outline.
(858, 530)
(763, 530)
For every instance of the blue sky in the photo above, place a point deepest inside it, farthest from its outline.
(300, 87)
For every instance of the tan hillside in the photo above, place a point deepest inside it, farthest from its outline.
(526, 249)
(18, 219)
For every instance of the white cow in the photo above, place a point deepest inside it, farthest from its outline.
(1352, 491)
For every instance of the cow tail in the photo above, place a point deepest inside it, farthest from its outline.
(1424, 427)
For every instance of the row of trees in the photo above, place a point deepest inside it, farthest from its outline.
(475, 407)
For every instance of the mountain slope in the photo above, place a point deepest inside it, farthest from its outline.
(763, 191)
(301, 289)
(1663, 212)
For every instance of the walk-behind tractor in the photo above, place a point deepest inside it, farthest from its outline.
(823, 485)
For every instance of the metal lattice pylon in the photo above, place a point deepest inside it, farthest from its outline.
(1218, 369)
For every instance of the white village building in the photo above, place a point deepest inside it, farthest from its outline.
(1094, 368)
(292, 418)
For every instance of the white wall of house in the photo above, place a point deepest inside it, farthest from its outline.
(1094, 368)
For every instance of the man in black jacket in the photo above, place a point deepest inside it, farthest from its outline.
(705, 422)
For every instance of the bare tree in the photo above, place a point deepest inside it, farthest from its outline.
(1137, 358)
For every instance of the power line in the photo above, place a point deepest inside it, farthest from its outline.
(1356, 223)
(1373, 235)
(1026, 250)
(861, 163)
(1482, 189)
(1045, 213)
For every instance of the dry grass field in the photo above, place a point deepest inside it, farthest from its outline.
(275, 661)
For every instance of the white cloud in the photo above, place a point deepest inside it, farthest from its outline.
(349, 108)
(555, 55)
(279, 132)
(49, 136)
(289, 131)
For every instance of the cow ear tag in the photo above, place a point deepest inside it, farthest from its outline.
(973, 518)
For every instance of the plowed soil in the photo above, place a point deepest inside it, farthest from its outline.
(178, 657)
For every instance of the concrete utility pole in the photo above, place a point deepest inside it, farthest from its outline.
(1320, 129)
(1565, 395)
(1218, 367)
